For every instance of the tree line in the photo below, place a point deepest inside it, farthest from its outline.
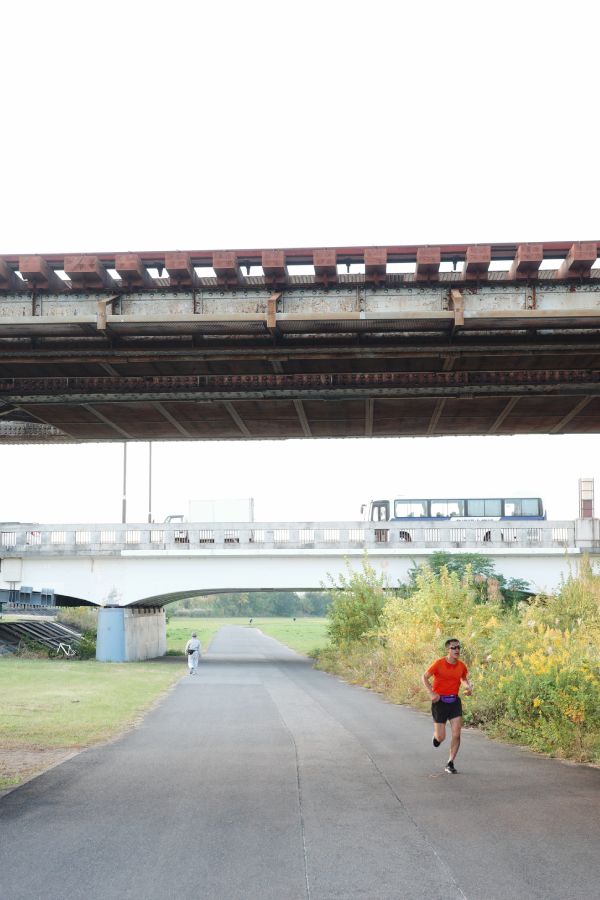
(254, 603)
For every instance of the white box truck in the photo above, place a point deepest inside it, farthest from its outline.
(222, 510)
(205, 512)
(240, 509)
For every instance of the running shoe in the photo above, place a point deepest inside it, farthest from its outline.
(450, 768)
(435, 742)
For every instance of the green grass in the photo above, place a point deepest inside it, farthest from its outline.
(72, 704)
(304, 635)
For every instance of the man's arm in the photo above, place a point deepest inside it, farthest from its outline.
(467, 682)
(425, 679)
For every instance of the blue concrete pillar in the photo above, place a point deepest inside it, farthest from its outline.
(110, 641)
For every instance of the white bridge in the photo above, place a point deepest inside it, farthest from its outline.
(132, 571)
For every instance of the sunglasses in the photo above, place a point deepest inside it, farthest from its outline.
(455, 647)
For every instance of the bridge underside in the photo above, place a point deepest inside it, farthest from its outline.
(420, 341)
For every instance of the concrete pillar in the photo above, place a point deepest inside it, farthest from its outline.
(129, 634)
(587, 534)
(110, 640)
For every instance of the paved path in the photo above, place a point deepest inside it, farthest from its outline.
(260, 778)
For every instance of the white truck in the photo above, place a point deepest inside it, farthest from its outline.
(225, 510)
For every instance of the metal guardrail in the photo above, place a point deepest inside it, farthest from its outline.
(86, 539)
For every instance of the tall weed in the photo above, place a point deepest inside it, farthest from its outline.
(535, 667)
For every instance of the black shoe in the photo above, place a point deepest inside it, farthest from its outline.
(435, 742)
(450, 768)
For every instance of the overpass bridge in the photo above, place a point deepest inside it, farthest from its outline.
(132, 571)
(301, 342)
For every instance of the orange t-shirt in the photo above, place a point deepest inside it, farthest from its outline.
(447, 677)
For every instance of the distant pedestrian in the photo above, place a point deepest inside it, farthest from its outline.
(193, 650)
(448, 673)
(250, 621)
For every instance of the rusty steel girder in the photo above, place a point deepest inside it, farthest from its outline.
(57, 389)
(131, 271)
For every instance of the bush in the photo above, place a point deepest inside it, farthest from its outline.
(86, 648)
(535, 666)
(79, 618)
(356, 607)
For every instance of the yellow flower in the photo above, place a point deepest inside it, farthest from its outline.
(537, 701)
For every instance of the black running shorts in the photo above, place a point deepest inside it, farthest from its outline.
(441, 711)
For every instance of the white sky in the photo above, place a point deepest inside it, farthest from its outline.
(131, 126)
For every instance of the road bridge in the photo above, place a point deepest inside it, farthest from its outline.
(132, 571)
(291, 343)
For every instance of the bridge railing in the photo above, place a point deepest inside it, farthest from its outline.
(252, 537)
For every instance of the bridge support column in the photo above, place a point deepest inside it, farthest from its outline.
(128, 634)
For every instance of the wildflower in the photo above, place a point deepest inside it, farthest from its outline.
(537, 702)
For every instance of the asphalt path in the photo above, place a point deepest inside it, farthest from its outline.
(262, 778)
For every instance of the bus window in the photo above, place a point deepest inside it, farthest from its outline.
(484, 509)
(410, 509)
(522, 507)
(442, 509)
(380, 511)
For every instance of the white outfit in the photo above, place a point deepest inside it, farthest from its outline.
(193, 658)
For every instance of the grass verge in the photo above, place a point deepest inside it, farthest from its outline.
(305, 635)
(50, 706)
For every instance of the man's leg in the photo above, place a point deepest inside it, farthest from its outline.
(455, 725)
(439, 732)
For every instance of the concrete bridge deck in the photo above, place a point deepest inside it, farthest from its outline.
(132, 571)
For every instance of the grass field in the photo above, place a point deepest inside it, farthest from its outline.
(48, 704)
(303, 635)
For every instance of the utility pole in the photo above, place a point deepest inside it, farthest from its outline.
(124, 514)
(149, 482)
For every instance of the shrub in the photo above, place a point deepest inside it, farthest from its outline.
(79, 618)
(356, 605)
(535, 666)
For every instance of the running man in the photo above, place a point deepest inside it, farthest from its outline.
(448, 673)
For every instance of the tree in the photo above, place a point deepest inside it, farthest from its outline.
(487, 580)
(357, 604)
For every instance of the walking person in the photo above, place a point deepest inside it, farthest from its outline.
(193, 650)
(448, 674)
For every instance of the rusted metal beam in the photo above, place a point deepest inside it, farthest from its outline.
(325, 265)
(435, 417)
(167, 415)
(7, 275)
(39, 274)
(274, 266)
(477, 262)
(272, 315)
(226, 267)
(457, 304)
(375, 263)
(106, 421)
(428, 263)
(237, 418)
(503, 415)
(369, 415)
(86, 271)
(181, 270)
(101, 311)
(579, 260)
(305, 255)
(497, 381)
(527, 261)
(299, 407)
(132, 270)
(570, 416)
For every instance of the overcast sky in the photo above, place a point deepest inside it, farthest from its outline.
(163, 126)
